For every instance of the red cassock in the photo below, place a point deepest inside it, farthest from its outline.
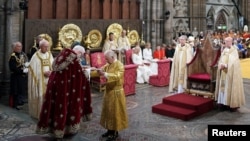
(67, 97)
(246, 35)
(159, 54)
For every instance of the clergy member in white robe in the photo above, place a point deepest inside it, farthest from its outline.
(39, 70)
(229, 91)
(110, 43)
(123, 41)
(123, 45)
(143, 70)
(183, 55)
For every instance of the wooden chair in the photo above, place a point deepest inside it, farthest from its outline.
(201, 71)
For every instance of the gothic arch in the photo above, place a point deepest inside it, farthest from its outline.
(221, 20)
(224, 9)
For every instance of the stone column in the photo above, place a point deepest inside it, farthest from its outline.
(8, 36)
(153, 24)
(21, 26)
(12, 34)
(159, 14)
(147, 25)
(142, 12)
(142, 3)
(168, 25)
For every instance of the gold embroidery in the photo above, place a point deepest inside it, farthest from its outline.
(46, 62)
(20, 61)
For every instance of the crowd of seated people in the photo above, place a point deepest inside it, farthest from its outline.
(240, 40)
(147, 59)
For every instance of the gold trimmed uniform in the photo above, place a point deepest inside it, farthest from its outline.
(18, 79)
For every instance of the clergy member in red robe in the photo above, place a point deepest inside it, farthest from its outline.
(67, 97)
(159, 53)
(246, 34)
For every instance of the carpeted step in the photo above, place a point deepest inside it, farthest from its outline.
(183, 106)
(174, 111)
(197, 103)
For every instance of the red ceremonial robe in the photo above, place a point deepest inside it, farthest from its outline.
(67, 97)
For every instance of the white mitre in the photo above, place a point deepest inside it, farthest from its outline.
(245, 28)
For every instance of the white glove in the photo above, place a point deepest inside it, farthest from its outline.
(171, 59)
(25, 70)
(87, 73)
(26, 64)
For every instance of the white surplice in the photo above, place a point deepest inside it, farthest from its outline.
(178, 76)
(37, 82)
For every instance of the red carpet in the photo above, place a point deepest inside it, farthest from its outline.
(183, 106)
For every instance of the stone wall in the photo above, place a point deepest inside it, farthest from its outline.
(9, 33)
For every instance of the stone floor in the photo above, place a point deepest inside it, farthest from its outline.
(143, 124)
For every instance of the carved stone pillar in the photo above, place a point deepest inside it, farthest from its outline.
(21, 32)
(153, 24)
(8, 38)
(168, 24)
(147, 17)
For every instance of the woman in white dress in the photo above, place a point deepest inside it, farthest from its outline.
(148, 58)
(143, 70)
